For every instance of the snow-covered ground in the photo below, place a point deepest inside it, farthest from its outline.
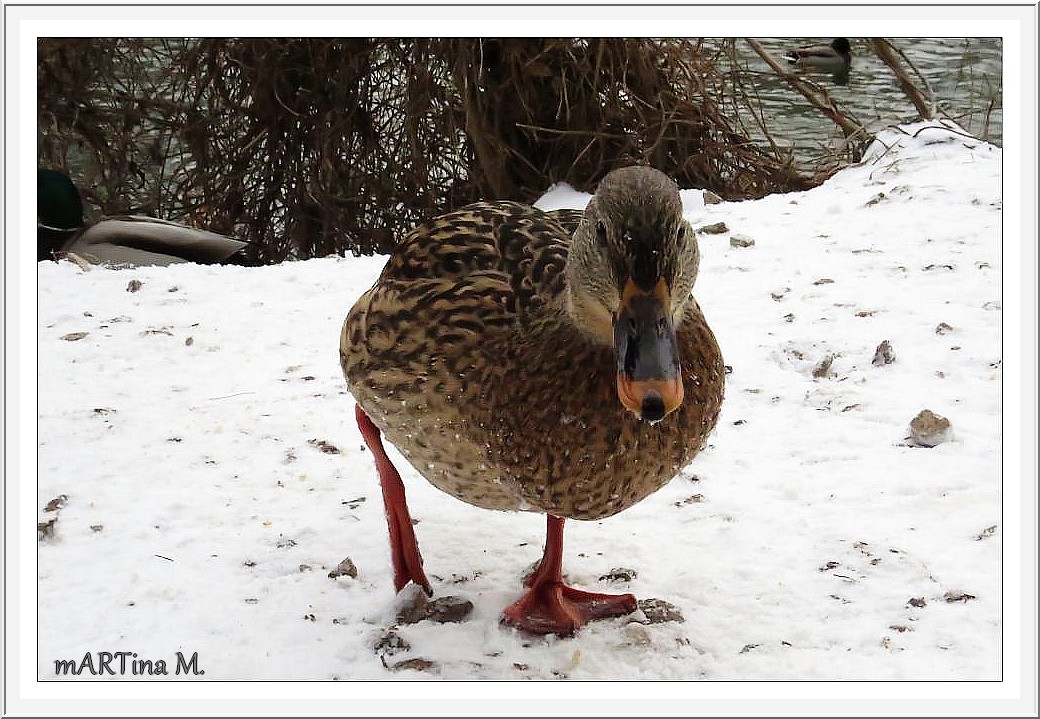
(201, 443)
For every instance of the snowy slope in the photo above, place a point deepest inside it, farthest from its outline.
(193, 430)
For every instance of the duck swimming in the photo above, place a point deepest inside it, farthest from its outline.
(834, 58)
(552, 362)
(119, 241)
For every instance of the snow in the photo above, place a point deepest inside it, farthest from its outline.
(190, 431)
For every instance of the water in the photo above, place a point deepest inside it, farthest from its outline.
(964, 75)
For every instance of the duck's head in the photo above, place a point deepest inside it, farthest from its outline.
(841, 45)
(59, 211)
(632, 265)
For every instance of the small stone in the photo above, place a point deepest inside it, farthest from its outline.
(824, 281)
(189, 341)
(73, 336)
(448, 610)
(417, 663)
(710, 198)
(45, 530)
(345, 568)
(389, 642)
(636, 635)
(133, 286)
(57, 503)
(414, 606)
(658, 611)
(823, 367)
(883, 354)
(987, 532)
(410, 604)
(916, 602)
(942, 328)
(957, 595)
(778, 294)
(324, 446)
(96, 527)
(619, 574)
(714, 229)
(928, 429)
(741, 241)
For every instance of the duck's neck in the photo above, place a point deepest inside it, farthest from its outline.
(589, 317)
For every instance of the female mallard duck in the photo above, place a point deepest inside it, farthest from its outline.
(126, 240)
(834, 58)
(552, 362)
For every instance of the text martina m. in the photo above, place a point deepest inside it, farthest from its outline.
(127, 664)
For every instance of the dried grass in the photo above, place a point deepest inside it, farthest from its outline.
(316, 146)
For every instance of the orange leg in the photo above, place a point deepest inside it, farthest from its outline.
(404, 549)
(551, 607)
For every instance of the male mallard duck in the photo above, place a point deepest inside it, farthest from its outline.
(553, 362)
(834, 58)
(125, 240)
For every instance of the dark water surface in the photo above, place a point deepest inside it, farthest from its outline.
(964, 75)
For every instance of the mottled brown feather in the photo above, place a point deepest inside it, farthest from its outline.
(466, 358)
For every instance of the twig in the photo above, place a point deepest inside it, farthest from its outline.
(886, 53)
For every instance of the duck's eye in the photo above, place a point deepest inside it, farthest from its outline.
(601, 231)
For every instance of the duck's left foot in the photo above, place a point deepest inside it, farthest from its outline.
(550, 606)
(555, 608)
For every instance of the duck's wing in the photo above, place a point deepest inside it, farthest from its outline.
(518, 246)
(799, 54)
(452, 285)
(140, 240)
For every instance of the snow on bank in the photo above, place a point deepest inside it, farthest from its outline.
(193, 430)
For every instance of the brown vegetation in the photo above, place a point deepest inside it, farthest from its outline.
(310, 147)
